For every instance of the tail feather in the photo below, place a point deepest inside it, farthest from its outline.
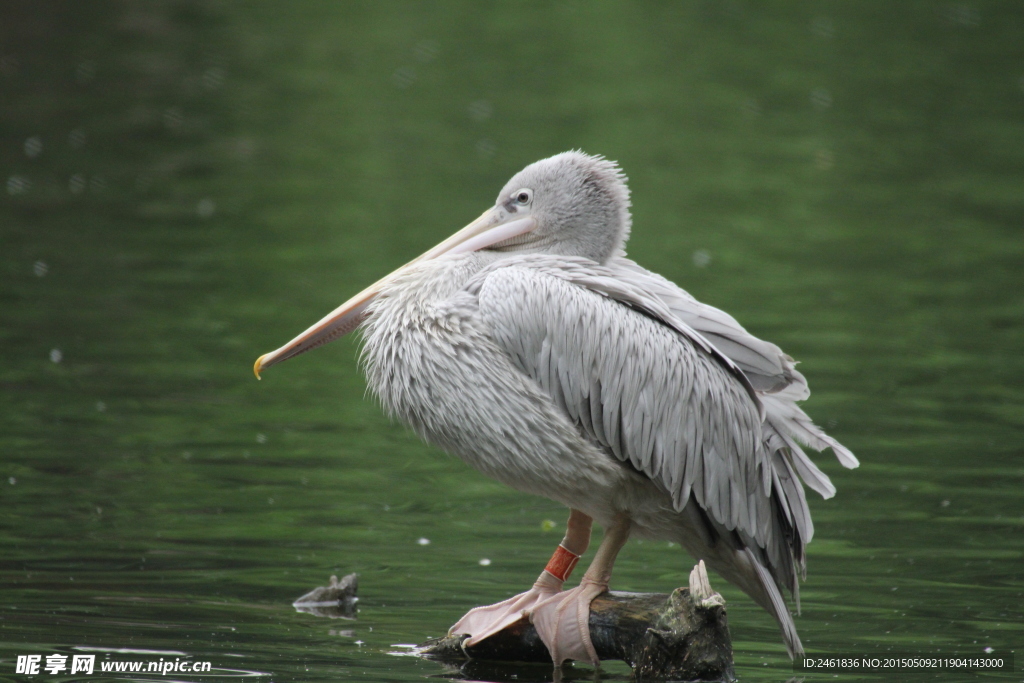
(741, 566)
(789, 418)
(773, 601)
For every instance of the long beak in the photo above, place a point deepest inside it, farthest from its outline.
(491, 227)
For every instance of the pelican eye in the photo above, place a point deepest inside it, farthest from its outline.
(523, 197)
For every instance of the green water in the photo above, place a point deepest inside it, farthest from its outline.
(187, 185)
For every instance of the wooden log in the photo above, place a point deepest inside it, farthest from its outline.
(336, 600)
(681, 636)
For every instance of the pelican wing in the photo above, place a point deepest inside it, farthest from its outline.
(765, 365)
(772, 372)
(636, 380)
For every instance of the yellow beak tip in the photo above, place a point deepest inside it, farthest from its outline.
(258, 366)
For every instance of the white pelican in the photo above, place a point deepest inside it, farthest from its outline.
(531, 347)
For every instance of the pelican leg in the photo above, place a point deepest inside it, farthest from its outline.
(481, 622)
(563, 620)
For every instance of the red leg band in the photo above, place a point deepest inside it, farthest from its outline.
(562, 563)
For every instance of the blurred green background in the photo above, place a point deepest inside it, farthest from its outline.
(185, 185)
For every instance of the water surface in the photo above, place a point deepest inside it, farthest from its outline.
(187, 185)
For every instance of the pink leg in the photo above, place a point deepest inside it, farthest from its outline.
(562, 621)
(481, 622)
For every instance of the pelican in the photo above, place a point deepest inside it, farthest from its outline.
(528, 345)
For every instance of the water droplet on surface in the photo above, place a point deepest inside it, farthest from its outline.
(547, 525)
(33, 147)
(77, 183)
(213, 78)
(821, 98)
(261, 438)
(56, 356)
(85, 71)
(824, 160)
(823, 27)
(173, 118)
(244, 148)
(18, 184)
(206, 207)
(270, 501)
(12, 481)
(945, 503)
(989, 650)
(480, 111)
(403, 77)
(9, 65)
(423, 541)
(40, 268)
(485, 148)
(963, 14)
(426, 51)
(701, 258)
(76, 138)
(485, 562)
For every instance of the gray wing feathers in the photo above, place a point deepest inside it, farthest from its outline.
(777, 607)
(604, 282)
(764, 363)
(770, 371)
(638, 382)
(779, 386)
(788, 416)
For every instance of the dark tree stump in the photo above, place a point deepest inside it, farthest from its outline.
(681, 636)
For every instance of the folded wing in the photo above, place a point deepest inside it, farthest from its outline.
(636, 380)
(770, 371)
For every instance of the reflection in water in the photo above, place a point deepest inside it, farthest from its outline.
(205, 179)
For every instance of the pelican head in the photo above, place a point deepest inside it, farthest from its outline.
(580, 203)
(571, 204)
